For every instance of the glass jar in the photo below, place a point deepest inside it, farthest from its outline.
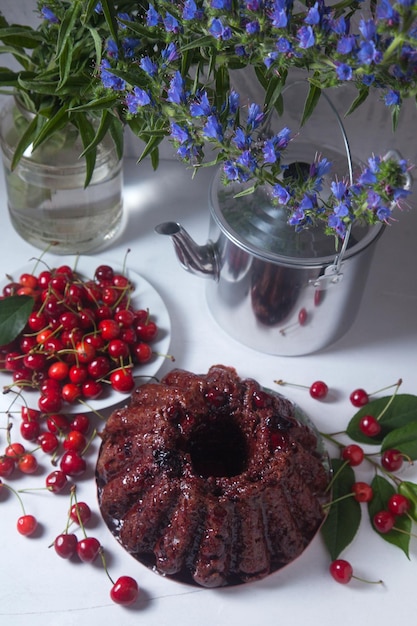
(47, 200)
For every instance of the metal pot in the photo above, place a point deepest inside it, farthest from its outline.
(272, 289)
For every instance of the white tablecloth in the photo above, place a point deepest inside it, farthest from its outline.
(40, 589)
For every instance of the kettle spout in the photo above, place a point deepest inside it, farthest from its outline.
(199, 260)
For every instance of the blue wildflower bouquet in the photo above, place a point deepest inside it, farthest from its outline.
(165, 70)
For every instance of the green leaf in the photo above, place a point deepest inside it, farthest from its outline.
(344, 517)
(409, 490)
(87, 135)
(67, 26)
(403, 439)
(363, 94)
(14, 313)
(401, 411)
(311, 101)
(56, 123)
(26, 139)
(383, 490)
(20, 36)
(110, 17)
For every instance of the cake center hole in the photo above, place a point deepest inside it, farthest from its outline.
(218, 448)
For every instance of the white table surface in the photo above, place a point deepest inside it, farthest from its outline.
(39, 588)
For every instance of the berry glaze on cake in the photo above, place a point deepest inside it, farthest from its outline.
(210, 479)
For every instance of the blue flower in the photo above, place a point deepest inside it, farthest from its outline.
(336, 224)
(344, 71)
(148, 66)
(179, 133)
(49, 15)
(254, 5)
(176, 93)
(368, 79)
(383, 213)
(368, 53)
(281, 194)
(297, 217)
(306, 38)
(278, 14)
(171, 24)
(109, 80)
(139, 98)
(111, 49)
(346, 44)
(384, 11)
(170, 53)
(219, 31)
(247, 160)
(125, 17)
(231, 170)
(253, 27)
(392, 98)
(189, 11)
(283, 45)
(129, 45)
(271, 154)
(213, 129)
(201, 106)
(152, 16)
(339, 189)
(255, 116)
(98, 8)
(241, 139)
(313, 16)
(321, 168)
(367, 28)
(234, 101)
(341, 210)
(221, 5)
(270, 59)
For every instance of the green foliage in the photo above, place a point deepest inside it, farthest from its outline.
(344, 517)
(14, 313)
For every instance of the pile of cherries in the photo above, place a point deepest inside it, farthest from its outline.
(81, 337)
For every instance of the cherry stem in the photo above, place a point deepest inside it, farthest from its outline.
(334, 478)
(368, 582)
(398, 384)
(283, 383)
(104, 562)
(17, 496)
(327, 505)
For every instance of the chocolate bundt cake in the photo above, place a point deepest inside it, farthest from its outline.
(210, 479)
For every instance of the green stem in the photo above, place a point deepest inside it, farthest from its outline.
(390, 400)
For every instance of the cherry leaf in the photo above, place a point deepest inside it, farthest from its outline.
(401, 411)
(409, 490)
(403, 439)
(14, 313)
(383, 490)
(344, 517)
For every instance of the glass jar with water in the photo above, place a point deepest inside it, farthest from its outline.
(48, 203)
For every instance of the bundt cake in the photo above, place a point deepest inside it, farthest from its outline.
(210, 479)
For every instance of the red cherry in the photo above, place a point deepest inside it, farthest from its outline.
(56, 481)
(66, 545)
(26, 525)
(142, 352)
(125, 591)
(15, 450)
(392, 460)
(369, 425)
(71, 392)
(75, 441)
(57, 423)
(81, 423)
(48, 442)
(147, 331)
(91, 389)
(58, 371)
(353, 454)
(362, 492)
(122, 380)
(109, 328)
(398, 504)
(341, 571)
(80, 511)
(51, 403)
(72, 463)
(6, 466)
(30, 430)
(27, 463)
(88, 549)
(319, 390)
(359, 397)
(384, 521)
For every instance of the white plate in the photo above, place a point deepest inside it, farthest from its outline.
(145, 296)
